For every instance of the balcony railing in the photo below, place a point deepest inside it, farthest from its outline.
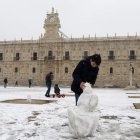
(1, 58)
(16, 58)
(66, 57)
(49, 58)
(132, 57)
(85, 56)
(34, 58)
(111, 57)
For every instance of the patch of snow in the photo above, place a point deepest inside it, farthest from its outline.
(119, 120)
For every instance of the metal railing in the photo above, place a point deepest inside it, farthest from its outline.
(111, 57)
(33, 58)
(132, 57)
(49, 58)
(66, 57)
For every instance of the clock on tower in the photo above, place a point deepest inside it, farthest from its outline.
(52, 25)
(52, 18)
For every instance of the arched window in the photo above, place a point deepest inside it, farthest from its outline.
(111, 70)
(66, 69)
(33, 70)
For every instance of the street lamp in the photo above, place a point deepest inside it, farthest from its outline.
(130, 71)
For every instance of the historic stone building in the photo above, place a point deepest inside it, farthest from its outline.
(54, 51)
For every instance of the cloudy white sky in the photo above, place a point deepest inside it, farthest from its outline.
(25, 18)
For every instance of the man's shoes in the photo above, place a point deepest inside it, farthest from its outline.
(47, 95)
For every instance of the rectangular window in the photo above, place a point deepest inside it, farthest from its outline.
(33, 70)
(1, 56)
(17, 56)
(67, 55)
(111, 55)
(50, 55)
(132, 54)
(16, 70)
(111, 70)
(66, 70)
(34, 56)
(85, 54)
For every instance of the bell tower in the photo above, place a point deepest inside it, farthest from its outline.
(51, 26)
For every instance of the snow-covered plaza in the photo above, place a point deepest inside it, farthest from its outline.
(119, 120)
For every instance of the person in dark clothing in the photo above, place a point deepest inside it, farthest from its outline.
(5, 82)
(56, 89)
(49, 78)
(85, 71)
(16, 83)
(30, 82)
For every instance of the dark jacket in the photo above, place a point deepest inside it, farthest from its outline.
(83, 72)
(5, 81)
(30, 81)
(48, 79)
(56, 90)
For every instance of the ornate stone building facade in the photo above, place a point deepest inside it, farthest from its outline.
(54, 51)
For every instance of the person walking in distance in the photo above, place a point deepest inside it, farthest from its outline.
(29, 82)
(5, 82)
(16, 83)
(85, 71)
(48, 79)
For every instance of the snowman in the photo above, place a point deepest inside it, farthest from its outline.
(83, 119)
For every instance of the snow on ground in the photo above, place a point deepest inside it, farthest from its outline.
(118, 118)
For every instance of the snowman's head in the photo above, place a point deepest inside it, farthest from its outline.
(87, 89)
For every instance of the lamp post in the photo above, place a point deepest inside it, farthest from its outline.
(130, 70)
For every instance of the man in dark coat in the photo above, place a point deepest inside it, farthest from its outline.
(85, 71)
(5, 82)
(30, 82)
(49, 78)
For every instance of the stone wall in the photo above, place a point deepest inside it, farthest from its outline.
(63, 66)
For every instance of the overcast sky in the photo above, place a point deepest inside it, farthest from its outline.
(25, 18)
